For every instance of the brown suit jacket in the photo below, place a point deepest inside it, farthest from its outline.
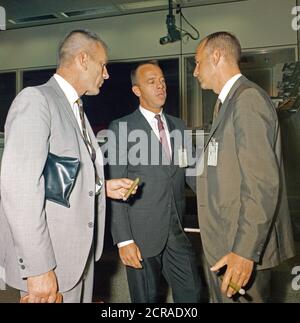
(242, 202)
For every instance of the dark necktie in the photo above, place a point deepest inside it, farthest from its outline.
(163, 136)
(84, 132)
(217, 108)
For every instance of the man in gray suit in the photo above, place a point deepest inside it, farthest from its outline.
(47, 247)
(148, 230)
(242, 204)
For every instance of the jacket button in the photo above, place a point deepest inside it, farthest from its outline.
(90, 224)
(91, 193)
(20, 260)
(23, 267)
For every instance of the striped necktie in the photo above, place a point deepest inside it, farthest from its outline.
(217, 108)
(86, 139)
(163, 136)
(89, 145)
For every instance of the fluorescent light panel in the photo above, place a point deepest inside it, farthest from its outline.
(33, 19)
(143, 4)
(89, 12)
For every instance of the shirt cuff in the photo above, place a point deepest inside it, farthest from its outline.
(124, 243)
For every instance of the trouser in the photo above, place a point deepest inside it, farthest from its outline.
(177, 263)
(83, 290)
(257, 290)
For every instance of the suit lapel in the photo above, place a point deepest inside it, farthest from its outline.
(171, 127)
(64, 103)
(143, 124)
(224, 107)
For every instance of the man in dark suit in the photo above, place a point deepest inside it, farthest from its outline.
(149, 230)
(242, 204)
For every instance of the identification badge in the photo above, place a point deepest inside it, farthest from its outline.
(182, 158)
(212, 159)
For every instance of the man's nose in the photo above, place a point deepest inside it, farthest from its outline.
(160, 85)
(105, 74)
(195, 74)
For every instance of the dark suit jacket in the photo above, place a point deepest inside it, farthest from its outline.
(242, 202)
(146, 218)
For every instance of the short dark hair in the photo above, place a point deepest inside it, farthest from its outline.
(75, 40)
(134, 70)
(226, 42)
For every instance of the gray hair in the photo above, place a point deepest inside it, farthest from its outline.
(75, 41)
(226, 42)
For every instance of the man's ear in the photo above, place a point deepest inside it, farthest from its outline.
(136, 90)
(82, 60)
(216, 56)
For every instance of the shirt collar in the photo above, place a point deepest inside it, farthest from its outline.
(150, 116)
(67, 88)
(227, 87)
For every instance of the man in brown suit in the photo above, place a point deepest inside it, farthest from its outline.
(242, 203)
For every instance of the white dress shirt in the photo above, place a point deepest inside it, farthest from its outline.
(150, 117)
(72, 96)
(227, 87)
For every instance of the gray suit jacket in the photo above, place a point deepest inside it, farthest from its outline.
(38, 235)
(146, 218)
(242, 202)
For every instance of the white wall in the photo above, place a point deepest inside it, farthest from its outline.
(258, 23)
